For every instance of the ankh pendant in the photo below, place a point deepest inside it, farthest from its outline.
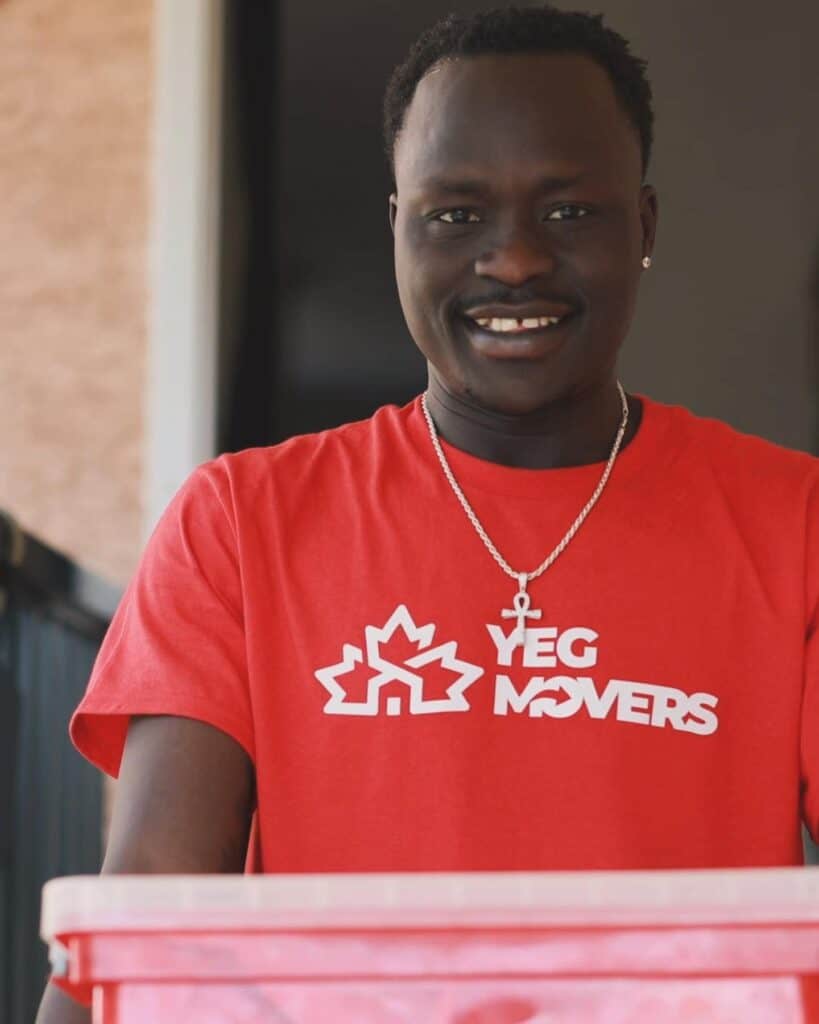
(521, 610)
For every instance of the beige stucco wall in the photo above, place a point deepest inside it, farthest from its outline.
(75, 109)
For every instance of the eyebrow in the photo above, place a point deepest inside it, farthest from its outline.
(473, 186)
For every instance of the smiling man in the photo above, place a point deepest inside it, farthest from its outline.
(527, 622)
(520, 223)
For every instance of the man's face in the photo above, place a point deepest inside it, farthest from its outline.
(519, 197)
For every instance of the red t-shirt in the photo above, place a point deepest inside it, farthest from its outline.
(327, 604)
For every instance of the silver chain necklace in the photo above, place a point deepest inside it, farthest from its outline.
(521, 609)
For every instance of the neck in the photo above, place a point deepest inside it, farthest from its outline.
(575, 431)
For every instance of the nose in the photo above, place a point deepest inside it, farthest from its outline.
(516, 253)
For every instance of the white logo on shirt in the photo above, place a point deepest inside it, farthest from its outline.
(565, 695)
(410, 672)
(364, 681)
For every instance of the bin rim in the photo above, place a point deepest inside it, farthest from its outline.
(593, 899)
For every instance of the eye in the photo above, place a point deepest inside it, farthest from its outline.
(569, 211)
(458, 216)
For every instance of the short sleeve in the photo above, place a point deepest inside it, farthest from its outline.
(810, 698)
(176, 644)
(810, 736)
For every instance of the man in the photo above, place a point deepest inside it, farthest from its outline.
(527, 623)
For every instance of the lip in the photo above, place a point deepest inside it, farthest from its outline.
(527, 311)
(533, 345)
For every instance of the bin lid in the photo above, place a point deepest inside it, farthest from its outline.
(604, 899)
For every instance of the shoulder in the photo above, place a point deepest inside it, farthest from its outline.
(733, 456)
(307, 461)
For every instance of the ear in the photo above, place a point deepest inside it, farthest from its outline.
(393, 211)
(649, 213)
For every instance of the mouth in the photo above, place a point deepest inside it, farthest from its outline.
(504, 337)
(516, 325)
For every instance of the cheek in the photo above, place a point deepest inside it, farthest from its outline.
(610, 273)
(408, 273)
(612, 306)
(423, 288)
(415, 302)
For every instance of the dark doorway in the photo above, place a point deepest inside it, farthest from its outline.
(312, 332)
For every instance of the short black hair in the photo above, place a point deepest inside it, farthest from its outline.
(508, 30)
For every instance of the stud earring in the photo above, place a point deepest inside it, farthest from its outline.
(646, 262)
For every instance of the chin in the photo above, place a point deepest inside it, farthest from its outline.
(516, 397)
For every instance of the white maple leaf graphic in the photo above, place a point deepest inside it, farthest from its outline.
(410, 672)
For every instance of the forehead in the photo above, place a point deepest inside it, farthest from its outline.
(527, 110)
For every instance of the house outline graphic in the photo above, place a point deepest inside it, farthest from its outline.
(410, 673)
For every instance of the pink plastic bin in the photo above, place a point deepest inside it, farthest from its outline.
(614, 947)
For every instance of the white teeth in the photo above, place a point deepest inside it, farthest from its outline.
(505, 324)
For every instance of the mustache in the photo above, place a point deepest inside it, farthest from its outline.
(514, 297)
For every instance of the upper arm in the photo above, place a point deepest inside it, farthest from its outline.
(183, 805)
(184, 800)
